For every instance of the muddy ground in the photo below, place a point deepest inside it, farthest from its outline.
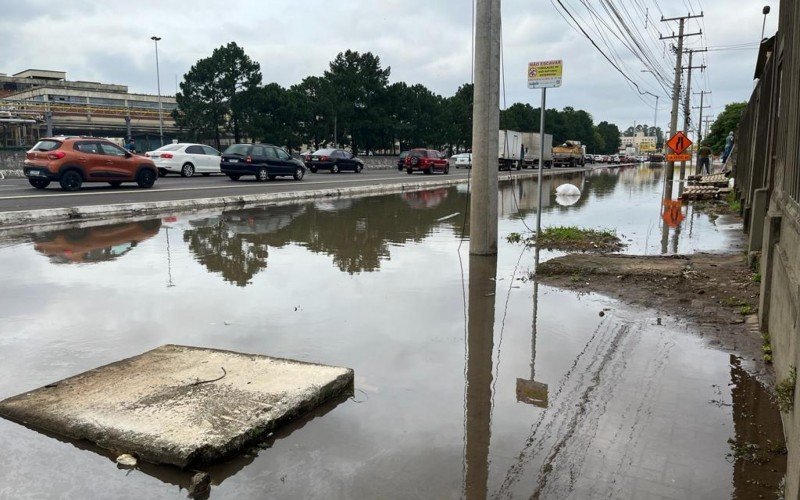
(716, 293)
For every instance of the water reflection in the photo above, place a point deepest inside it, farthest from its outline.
(84, 245)
(531, 391)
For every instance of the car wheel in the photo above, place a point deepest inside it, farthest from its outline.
(146, 178)
(313, 170)
(262, 175)
(39, 183)
(233, 177)
(299, 172)
(359, 168)
(187, 170)
(409, 171)
(446, 170)
(162, 172)
(115, 184)
(71, 180)
(335, 168)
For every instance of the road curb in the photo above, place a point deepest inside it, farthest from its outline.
(30, 218)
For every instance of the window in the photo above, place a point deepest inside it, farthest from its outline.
(210, 151)
(238, 149)
(282, 155)
(47, 145)
(270, 153)
(258, 151)
(170, 147)
(111, 149)
(91, 148)
(194, 150)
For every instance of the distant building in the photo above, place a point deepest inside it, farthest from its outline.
(38, 102)
(640, 142)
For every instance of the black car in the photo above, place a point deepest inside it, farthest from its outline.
(401, 161)
(264, 161)
(334, 160)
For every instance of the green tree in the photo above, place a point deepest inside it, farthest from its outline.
(610, 138)
(358, 84)
(315, 111)
(460, 108)
(726, 122)
(210, 89)
(519, 117)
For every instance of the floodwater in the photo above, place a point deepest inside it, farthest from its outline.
(470, 381)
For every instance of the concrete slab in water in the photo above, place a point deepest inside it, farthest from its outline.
(165, 407)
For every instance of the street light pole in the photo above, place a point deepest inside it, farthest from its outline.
(764, 11)
(155, 39)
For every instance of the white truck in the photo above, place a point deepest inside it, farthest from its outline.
(532, 143)
(509, 149)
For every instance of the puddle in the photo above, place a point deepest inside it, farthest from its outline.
(534, 394)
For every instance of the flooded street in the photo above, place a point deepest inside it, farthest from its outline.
(471, 379)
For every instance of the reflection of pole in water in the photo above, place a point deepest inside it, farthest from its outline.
(664, 236)
(531, 391)
(480, 338)
(170, 283)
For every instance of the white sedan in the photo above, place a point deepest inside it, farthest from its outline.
(185, 159)
(462, 160)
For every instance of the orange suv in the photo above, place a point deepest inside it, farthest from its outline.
(74, 160)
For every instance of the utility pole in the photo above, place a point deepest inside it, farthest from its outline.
(700, 124)
(155, 39)
(709, 120)
(687, 110)
(676, 90)
(485, 126)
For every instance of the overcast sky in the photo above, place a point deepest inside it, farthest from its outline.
(423, 41)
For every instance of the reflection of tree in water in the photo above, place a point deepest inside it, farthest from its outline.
(236, 256)
(357, 235)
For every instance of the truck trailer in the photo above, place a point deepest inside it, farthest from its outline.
(532, 145)
(509, 149)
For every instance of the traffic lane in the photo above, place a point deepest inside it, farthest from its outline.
(24, 197)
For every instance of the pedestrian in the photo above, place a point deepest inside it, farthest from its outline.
(130, 145)
(704, 159)
(728, 147)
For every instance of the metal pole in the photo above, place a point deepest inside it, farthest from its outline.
(764, 11)
(673, 122)
(655, 119)
(485, 127)
(541, 165)
(700, 135)
(686, 108)
(158, 82)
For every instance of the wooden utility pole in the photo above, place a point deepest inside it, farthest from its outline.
(700, 125)
(676, 91)
(485, 126)
(687, 110)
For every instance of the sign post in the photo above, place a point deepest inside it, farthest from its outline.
(543, 75)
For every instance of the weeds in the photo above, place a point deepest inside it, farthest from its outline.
(732, 302)
(733, 202)
(756, 278)
(747, 309)
(514, 238)
(581, 239)
(766, 347)
(784, 390)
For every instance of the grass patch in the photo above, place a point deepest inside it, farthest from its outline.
(766, 347)
(756, 278)
(747, 309)
(578, 239)
(733, 302)
(733, 202)
(784, 390)
(514, 238)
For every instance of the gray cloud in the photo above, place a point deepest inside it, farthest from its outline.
(423, 42)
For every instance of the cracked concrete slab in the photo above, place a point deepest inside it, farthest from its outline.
(180, 405)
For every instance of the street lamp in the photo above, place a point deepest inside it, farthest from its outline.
(764, 11)
(155, 39)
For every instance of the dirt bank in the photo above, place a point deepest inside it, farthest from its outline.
(718, 294)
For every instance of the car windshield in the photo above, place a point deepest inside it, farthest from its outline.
(170, 147)
(323, 152)
(418, 153)
(238, 149)
(47, 145)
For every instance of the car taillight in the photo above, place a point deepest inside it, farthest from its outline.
(166, 155)
(249, 159)
(56, 155)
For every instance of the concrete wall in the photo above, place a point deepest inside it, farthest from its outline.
(767, 173)
(11, 161)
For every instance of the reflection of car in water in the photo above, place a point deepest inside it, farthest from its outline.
(425, 199)
(94, 244)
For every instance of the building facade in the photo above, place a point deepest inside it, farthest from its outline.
(640, 142)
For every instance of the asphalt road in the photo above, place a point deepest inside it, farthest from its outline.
(17, 194)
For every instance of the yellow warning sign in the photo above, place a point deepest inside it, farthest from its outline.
(682, 157)
(545, 74)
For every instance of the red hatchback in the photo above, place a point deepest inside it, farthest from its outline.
(426, 160)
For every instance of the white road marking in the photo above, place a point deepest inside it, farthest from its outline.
(164, 190)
